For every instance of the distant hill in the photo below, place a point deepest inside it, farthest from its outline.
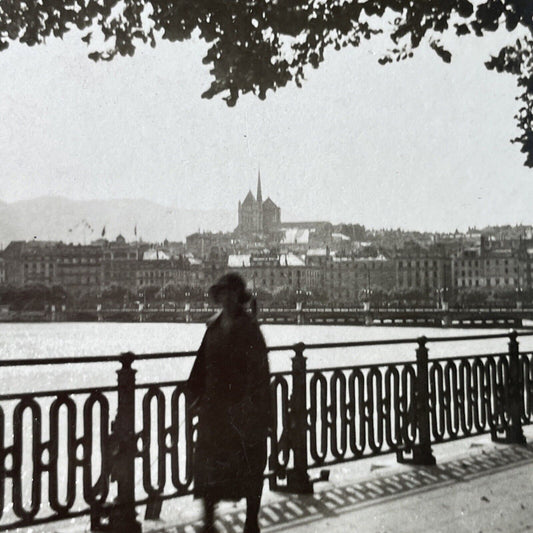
(59, 218)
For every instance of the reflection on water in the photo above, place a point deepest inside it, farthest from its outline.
(74, 339)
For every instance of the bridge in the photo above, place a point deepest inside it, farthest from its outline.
(104, 451)
(430, 317)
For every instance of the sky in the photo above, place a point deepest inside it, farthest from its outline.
(420, 144)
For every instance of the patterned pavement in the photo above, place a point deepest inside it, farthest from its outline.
(293, 510)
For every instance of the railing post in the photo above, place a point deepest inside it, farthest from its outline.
(512, 398)
(124, 516)
(298, 479)
(422, 454)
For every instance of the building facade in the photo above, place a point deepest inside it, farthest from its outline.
(428, 270)
(490, 267)
(78, 269)
(120, 264)
(349, 279)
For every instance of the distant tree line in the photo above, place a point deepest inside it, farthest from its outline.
(41, 298)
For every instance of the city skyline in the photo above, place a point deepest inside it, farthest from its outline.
(421, 145)
(60, 219)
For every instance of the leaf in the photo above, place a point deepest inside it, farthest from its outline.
(441, 52)
(462, 29)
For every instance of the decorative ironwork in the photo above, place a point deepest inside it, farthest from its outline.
(36, 458)
(174, 440)
(526, 377)
(279, 453)
(356, 412)
(466, 396)
(133, 443)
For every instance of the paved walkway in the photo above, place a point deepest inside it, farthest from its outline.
(476, 487)
(483, 492)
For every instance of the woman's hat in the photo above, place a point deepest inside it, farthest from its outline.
(233, 282)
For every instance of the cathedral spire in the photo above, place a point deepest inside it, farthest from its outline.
(259, 195)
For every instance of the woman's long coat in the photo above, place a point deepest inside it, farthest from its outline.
(229, 384)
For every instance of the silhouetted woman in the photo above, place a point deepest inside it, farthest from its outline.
(229, 385)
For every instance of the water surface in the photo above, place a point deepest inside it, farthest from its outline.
(70, 339)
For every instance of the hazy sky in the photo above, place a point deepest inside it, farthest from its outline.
(419, 144)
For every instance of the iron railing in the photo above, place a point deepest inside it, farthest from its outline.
(105, 450)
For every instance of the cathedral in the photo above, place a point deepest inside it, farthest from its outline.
(256, 216)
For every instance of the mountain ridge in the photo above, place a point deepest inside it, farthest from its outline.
(60, 218)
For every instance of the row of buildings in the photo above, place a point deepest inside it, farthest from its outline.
(434, 273)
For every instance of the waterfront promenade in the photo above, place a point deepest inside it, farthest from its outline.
(477, 486)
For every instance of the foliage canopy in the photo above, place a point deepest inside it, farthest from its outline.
(257, 45)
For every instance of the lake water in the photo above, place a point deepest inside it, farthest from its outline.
(36, 340)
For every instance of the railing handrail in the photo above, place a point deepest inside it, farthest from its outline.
(58, 393)
(409, 340)
(92, 359)
(279, 348)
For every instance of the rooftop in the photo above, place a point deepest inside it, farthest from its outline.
(155, 255)
(238, 260)
(295, 236)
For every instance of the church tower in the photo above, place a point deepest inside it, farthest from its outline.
(259, 205)
(259, 195)
(256, 216)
